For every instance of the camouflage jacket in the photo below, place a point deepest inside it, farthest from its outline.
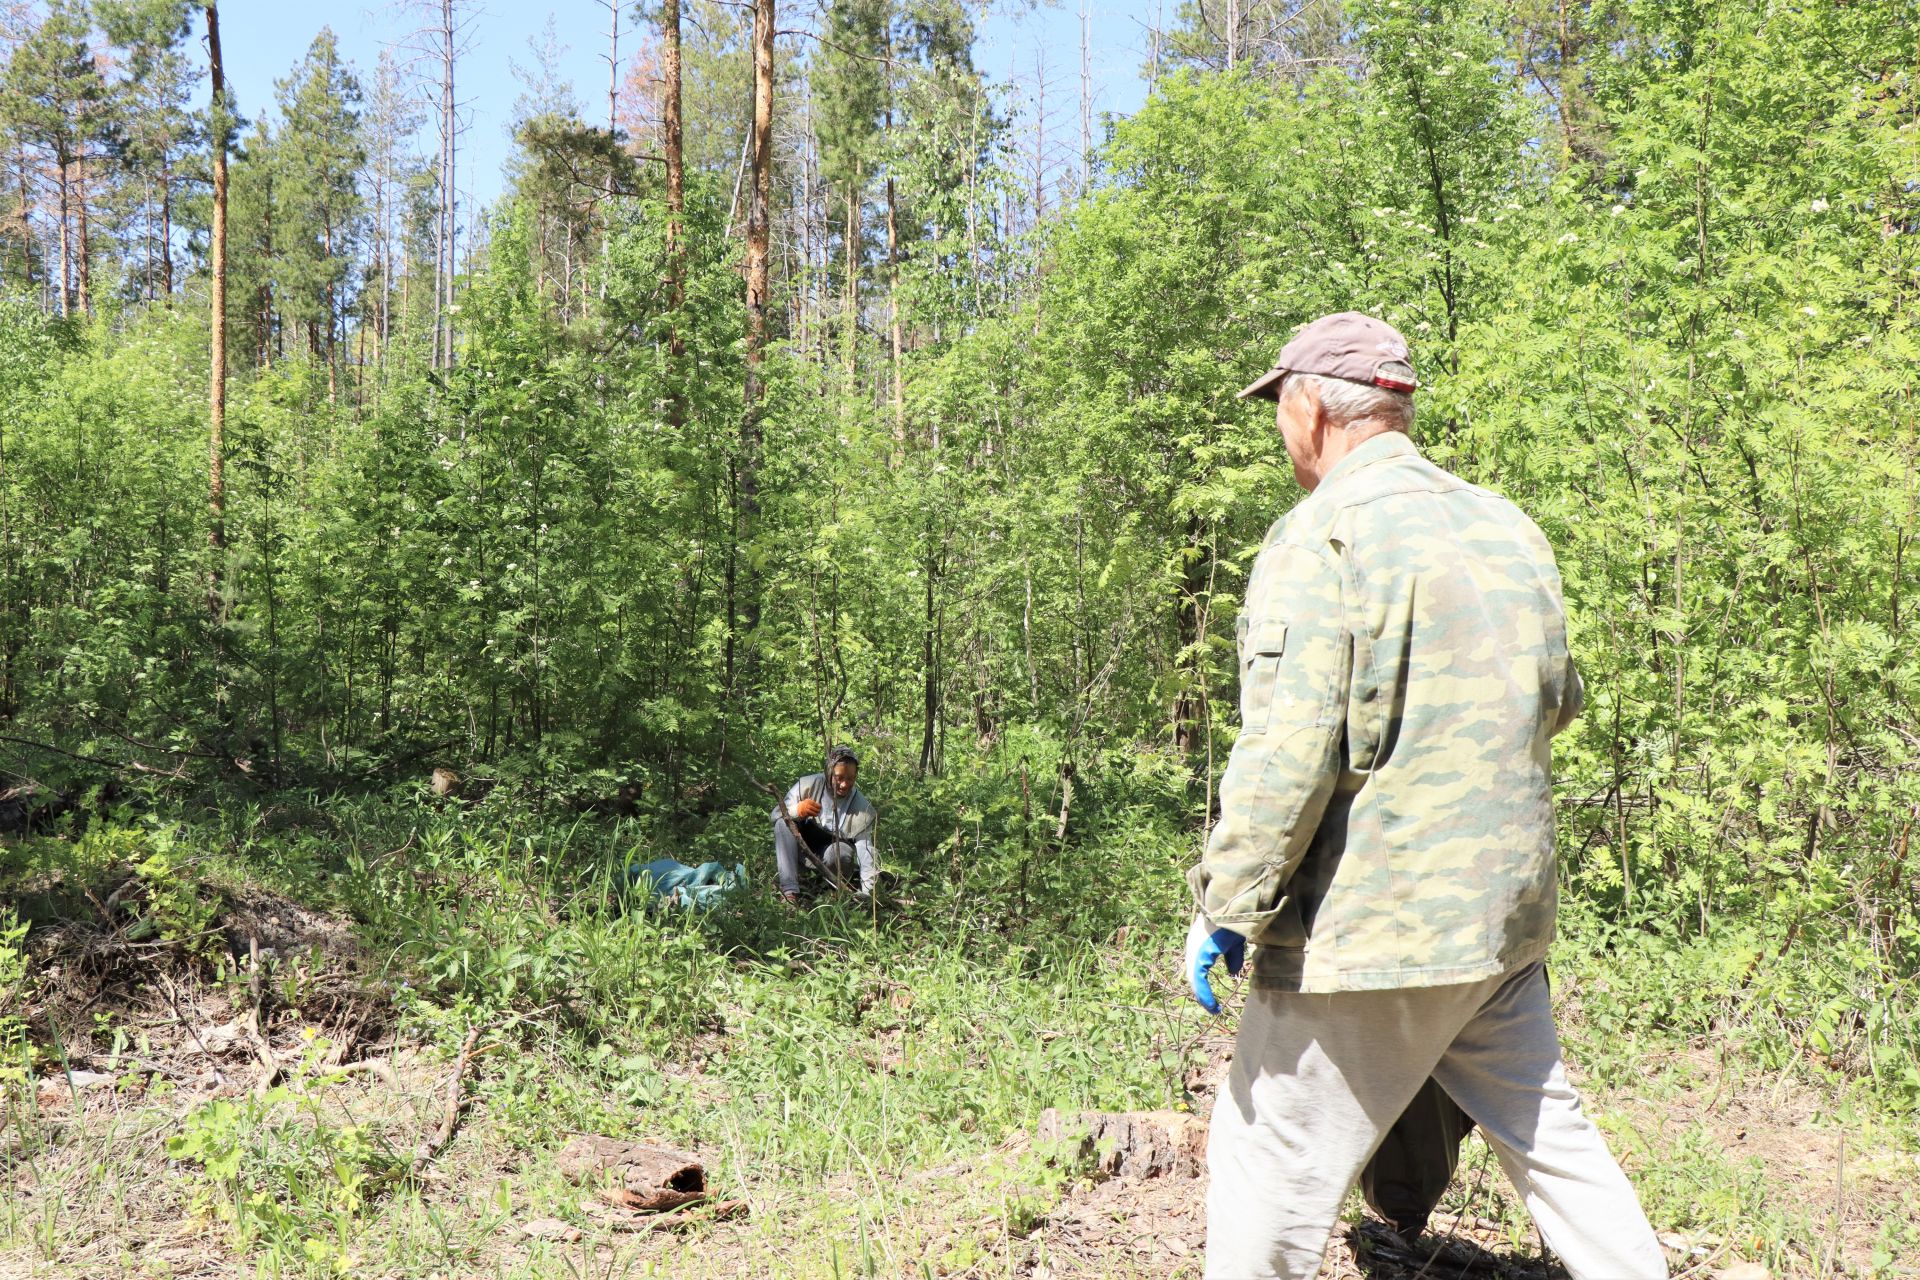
(1386, 817)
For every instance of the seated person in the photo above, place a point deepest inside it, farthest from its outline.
(835, 820)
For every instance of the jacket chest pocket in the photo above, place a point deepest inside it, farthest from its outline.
(1262, 642)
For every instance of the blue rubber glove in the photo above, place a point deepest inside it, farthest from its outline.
(1206, 944)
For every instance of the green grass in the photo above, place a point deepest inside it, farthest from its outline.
(855, 1076)
(864, 1081)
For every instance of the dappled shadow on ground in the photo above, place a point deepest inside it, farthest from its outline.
(1476, 1248)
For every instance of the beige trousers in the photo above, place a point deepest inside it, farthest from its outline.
(1318, 1079)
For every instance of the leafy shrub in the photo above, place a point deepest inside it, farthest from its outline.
(285, 1177)
(13, 985)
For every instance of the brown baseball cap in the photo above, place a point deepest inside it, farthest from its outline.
(1346, 345)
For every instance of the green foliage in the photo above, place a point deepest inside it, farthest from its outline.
(1658, 271)
(289, 1180)
(151, 883)
(13, 991)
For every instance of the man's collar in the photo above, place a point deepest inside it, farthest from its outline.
(1388, 444)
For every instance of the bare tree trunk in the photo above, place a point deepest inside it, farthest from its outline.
(1040, 138)
(759, 231)
(1153, 55)
(613, 66)
(85, 245)
(893, 322)
(146, 211)
(217, 381)
(66, 253)
(893, 280)
(382, 270)
(333, 371)
(930, 673)
(166, 229)
(26, 223)
(613, 96)
(448, 248)
(676, 198)
(269, 329)
(810, 234)
(1086, 97)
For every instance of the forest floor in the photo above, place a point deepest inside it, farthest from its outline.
(101, 1196)
(872, 1110)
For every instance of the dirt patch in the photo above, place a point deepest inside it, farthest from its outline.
(286, 930)
(1843, 1180)
(1122, 1227)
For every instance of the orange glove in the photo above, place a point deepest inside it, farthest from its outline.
(808, 808)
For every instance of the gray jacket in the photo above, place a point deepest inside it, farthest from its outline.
(852, 821)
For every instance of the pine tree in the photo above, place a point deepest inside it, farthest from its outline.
(220, 126)
(158, 125)
(850, 80)
(254, 193)
(56, 100)
(319, 207)
(393, 118)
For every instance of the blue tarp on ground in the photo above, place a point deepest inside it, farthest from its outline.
(677, 884)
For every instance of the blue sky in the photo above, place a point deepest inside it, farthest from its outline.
(263, 39)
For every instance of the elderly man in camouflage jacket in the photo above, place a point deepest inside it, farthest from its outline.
(1386, 834)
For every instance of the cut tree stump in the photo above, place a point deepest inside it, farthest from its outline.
(1132, 1145)
(645, 1179)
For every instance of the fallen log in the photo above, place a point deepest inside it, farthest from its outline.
(640, 1178)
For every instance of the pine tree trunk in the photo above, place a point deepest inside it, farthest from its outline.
(146, 211)
(851, 247)
(893, 282)
(217, 381)
(759, 232)
(85, 245)
(893, 322)
(930, 671)
(166, 230)
(26, 224)
(263, 299)
(66, 252)
(333, 371)
(676, 201)
(447, 257)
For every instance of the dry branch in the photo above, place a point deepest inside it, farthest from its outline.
(429, 1149)
(806, 850)
(166, 989)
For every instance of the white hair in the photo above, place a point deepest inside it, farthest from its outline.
(1347, 402)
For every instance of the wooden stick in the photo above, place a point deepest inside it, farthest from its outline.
(256, 1037)
(371, 1066)
(709, 1211)
(429, 1149)
(113, 1062)
(166, 987)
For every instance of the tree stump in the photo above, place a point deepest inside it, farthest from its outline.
(1132, 1145)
